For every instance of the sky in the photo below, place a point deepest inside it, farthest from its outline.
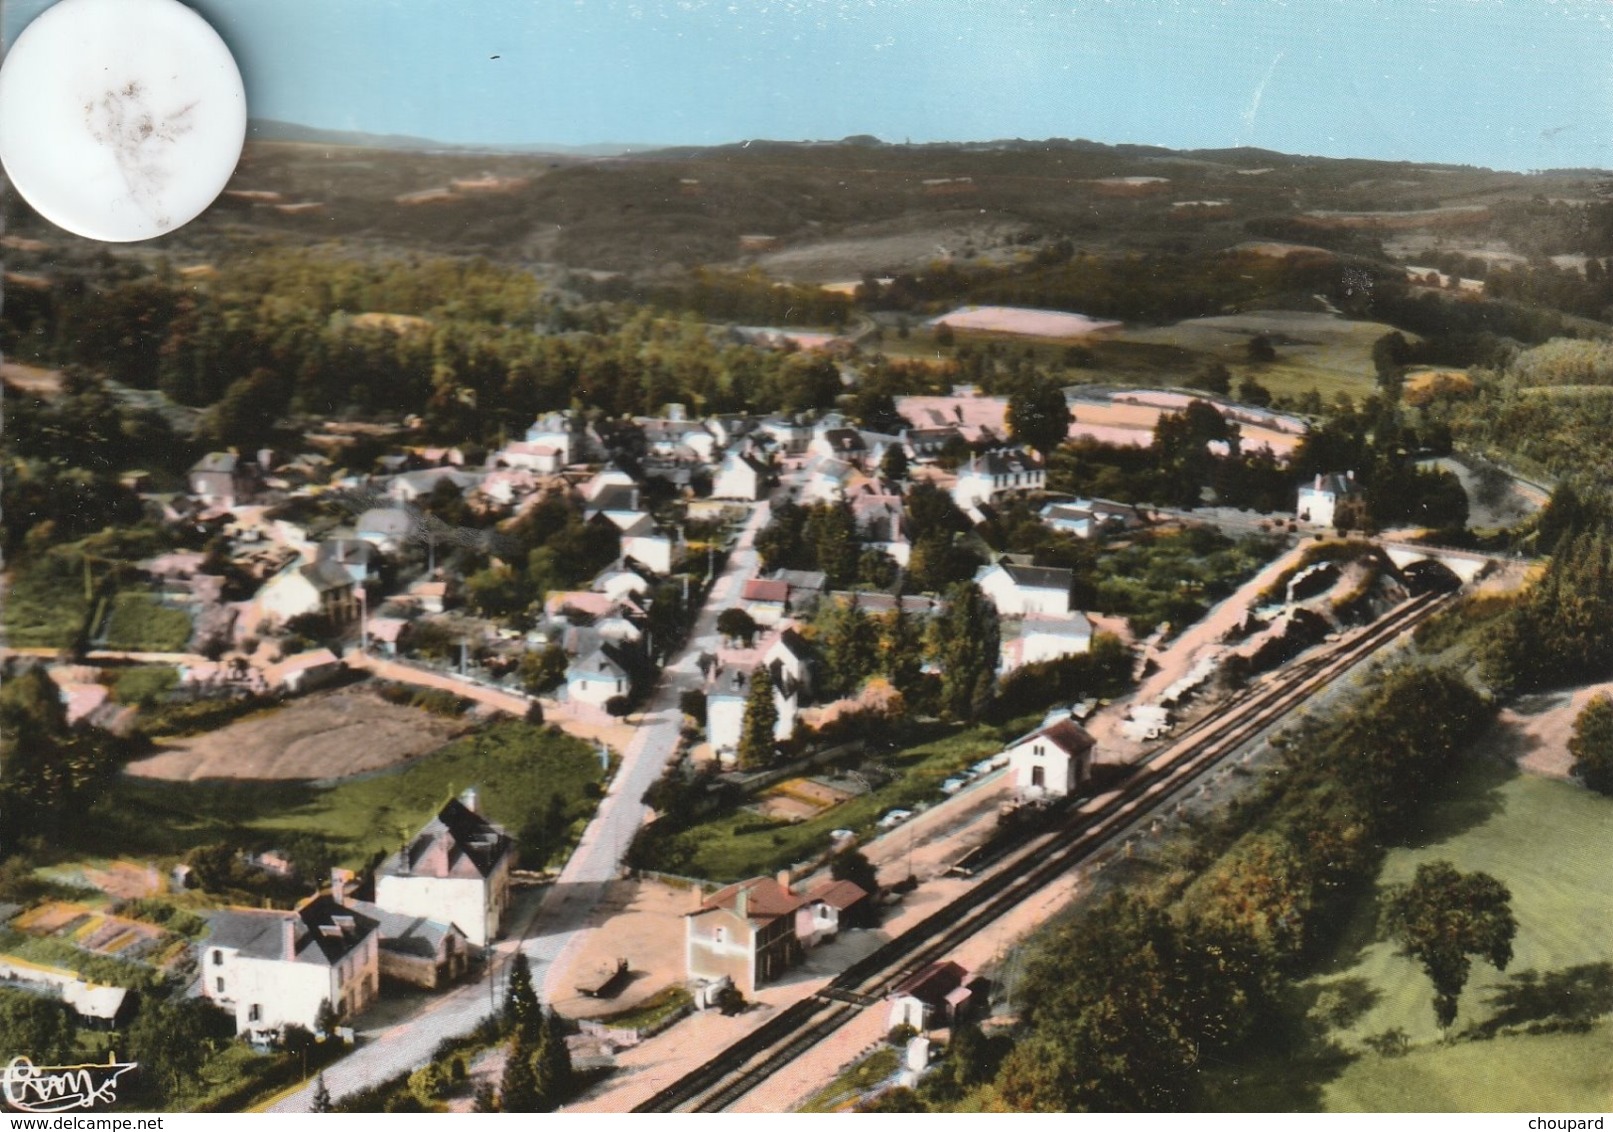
(1509, 84)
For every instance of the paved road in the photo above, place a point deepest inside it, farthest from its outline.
(546, 923)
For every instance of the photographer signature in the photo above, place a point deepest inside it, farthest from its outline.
(58, 1088)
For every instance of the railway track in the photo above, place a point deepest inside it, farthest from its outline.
(1080, 836)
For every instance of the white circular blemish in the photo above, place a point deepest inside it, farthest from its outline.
(120, 119)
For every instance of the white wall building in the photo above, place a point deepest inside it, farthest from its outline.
(1021, 591)
(276, 969)
(455, 871)
(1052, 761)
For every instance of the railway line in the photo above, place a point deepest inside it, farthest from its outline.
(1078, 837)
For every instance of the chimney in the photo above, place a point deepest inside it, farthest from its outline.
(784, 879)
(340, 878)
(742, 904)
(288, 937)
(470, 800)
(1318, 481)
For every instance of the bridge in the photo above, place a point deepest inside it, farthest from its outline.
(1466, 565)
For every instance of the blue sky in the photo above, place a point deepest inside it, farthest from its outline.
(1514, 84)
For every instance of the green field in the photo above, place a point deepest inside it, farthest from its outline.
(515, 766)
(140, 623)
(743, 844)
(1535, 1037)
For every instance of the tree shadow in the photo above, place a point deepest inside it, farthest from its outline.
(1569, 999)
(1472, 795)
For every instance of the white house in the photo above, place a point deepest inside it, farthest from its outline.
(276, 969)
(317, 587)
(998, 473)
(930, 998)
(456, 870)
(530, 457)
(1046, 638)
(597, 678)
(1019, 591)
(561, 431)
(411, 486)
(386, 528)
(827, 480)
(726, 694)
(1087, 518)
(617, 581)
(1053, 761)
(608, 477)
(656, 548)
(826, 910)
(741, 476)
(837, 443)
(1318, 500)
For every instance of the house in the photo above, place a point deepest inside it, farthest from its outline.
(998, 473)
(608, 477)
(881, 522)
(412, 486)
(1019, 591)
(925, 445)
(355, 555)
(838, 444)
(806, 586)
(728, 690)
(791, 436)
(657, 548)
(827, 909)
(741, 476)
(1055, 760)
(431, 594)
(744, 933)
(304, 671)
(619, 580)
(1088, 518)
(1042, 638)
(415, 950)
(932, 997)
(274, 969)
(389, 635)
(221, 479)
(827, 480)
(386, 528)
(456, 870)
(767, 600)
(317, 587)
(1319, 500)
(598, 677)
(526, 456)
(562, 431)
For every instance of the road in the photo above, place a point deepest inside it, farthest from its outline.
(546, 923)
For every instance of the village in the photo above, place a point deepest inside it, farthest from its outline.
(729, 564)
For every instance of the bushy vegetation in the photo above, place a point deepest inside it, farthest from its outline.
(138, 622)
(1125, 1005)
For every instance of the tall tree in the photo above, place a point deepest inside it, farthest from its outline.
(756, 742)
(1592, 744)
(1039, 415)
(551, 1065)
(518, 1088)
(968, 640)
(523, 1014)
(1443, 918)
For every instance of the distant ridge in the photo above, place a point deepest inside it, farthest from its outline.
(272, 130)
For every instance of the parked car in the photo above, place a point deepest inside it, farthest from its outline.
(894, 819)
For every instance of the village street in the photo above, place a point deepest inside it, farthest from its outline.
(546, 922)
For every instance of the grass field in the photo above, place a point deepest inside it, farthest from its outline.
(848, 1088)
(1323, 352)
(743, 844)
(139, 622)
(1535, 1037)
(516, 767)
(44, 604)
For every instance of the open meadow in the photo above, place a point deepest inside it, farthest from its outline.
(1535, 1037)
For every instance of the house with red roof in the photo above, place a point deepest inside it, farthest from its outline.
(1052, 761)
(745, 933)
(931, 997)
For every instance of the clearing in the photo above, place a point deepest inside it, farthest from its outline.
(326, 736)
(1314, 351)
(1532, 1038)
